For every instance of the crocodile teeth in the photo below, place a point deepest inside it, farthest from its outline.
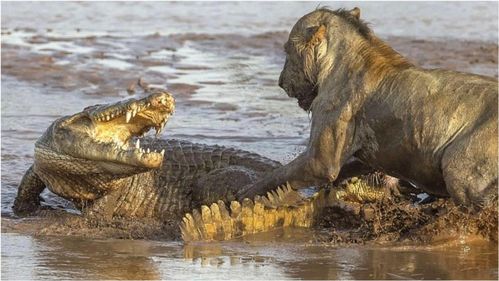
(108, 118)
(163, 152)
(134, 112)
(148, 150)
(128, 116)
(137, 145)
(160, 128)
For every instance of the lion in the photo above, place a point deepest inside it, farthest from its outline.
(434, 128)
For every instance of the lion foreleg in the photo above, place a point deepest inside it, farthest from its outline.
(296, 173)
(331, 145)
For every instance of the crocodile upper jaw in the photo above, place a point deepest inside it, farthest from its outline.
(110, 133)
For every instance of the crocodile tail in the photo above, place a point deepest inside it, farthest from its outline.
(279, 208)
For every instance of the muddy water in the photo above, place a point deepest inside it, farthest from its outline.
(289, 256)
(222, 61)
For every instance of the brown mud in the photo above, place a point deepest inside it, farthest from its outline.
(396, 221)
(401, 221)
(62, 223)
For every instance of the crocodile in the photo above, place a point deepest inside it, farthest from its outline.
(100, 160)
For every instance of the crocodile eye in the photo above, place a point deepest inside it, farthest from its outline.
(92, 106)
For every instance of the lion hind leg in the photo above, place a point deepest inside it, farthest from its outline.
(469, 168)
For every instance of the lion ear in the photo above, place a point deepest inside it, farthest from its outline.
(315, 34)
(355, 12)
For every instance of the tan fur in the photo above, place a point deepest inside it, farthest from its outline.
(379, 60)
(369, 102)
(374, 57)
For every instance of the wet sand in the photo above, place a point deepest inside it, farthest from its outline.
(225, 84)
(159, 59)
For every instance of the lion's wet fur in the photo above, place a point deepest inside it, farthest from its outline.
(434, 128)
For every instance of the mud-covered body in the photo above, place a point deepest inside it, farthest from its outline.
(434, 128)
(166, 193)
(435, 124)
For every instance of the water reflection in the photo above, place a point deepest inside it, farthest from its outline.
(285, 254)
(46, 258)
(303, 260)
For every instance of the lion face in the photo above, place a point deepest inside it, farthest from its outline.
(304, 48)
(307, 60)
(294, 81)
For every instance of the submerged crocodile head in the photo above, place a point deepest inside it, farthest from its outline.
(102, 140)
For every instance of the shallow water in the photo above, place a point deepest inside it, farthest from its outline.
(222, 61)
(468, 20)
(278, 255)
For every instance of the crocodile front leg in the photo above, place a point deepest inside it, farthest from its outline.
(28, 194)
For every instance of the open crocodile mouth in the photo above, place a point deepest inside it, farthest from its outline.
(118, 127)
